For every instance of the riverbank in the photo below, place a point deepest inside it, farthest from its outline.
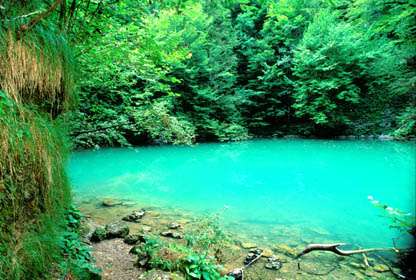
(114, 259)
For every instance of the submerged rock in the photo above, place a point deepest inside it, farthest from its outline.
(381, 268)
(110, 202)
(248, 245)
(99, 234)
(174, 225)
(133, 239)
(135, 216)
(267, 253)
(117, 230)
(286, 250)
(273, 263)
(171, 234)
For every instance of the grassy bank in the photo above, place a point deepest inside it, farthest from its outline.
(36, 88)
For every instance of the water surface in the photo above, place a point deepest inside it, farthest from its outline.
(276, 190)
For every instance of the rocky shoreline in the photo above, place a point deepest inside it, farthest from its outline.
(116, 228)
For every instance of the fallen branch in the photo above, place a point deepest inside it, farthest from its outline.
(334, 249)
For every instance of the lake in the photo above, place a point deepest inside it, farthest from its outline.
(293, 191)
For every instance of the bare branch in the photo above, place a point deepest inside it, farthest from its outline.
(25, 27)
(334, 249)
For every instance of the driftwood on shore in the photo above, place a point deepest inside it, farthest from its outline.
(334, 249)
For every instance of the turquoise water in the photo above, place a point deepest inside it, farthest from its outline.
(277, 190)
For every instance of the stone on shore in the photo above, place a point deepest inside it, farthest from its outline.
(117, 230)
(171, 234)
(135, 216)
(133, 239)
(99, 234)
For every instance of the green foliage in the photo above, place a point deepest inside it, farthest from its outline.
(78, 260)
(186, 71)
(195, 259)
(198, 267)
(405, 222)
(207, 235)
(330, 64)
(175, 257)
(406, 123)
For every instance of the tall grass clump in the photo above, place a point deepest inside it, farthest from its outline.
(36, 68)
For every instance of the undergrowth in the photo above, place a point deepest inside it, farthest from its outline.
(198, 258)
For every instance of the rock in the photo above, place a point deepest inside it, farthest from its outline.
(99, 234)
(256, 251)
(385, 137)
(273, 263)
(236, 274)
(135, 216)
(174, 225)
(109, 202)
(248, 245)
(132, 239)
(286, 250)
(252, 255)
(381, 268)
(117, 230)
(171, 234)
(291, 137)
(267, 253)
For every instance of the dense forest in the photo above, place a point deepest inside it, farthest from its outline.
(102, 73)
(186, 71)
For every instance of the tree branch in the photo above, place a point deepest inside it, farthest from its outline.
(25, 27)
(334, 249)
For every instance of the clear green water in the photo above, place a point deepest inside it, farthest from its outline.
(277, 190)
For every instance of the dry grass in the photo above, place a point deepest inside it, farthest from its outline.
(35, 72)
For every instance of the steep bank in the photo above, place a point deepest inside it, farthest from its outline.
(35, 89)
